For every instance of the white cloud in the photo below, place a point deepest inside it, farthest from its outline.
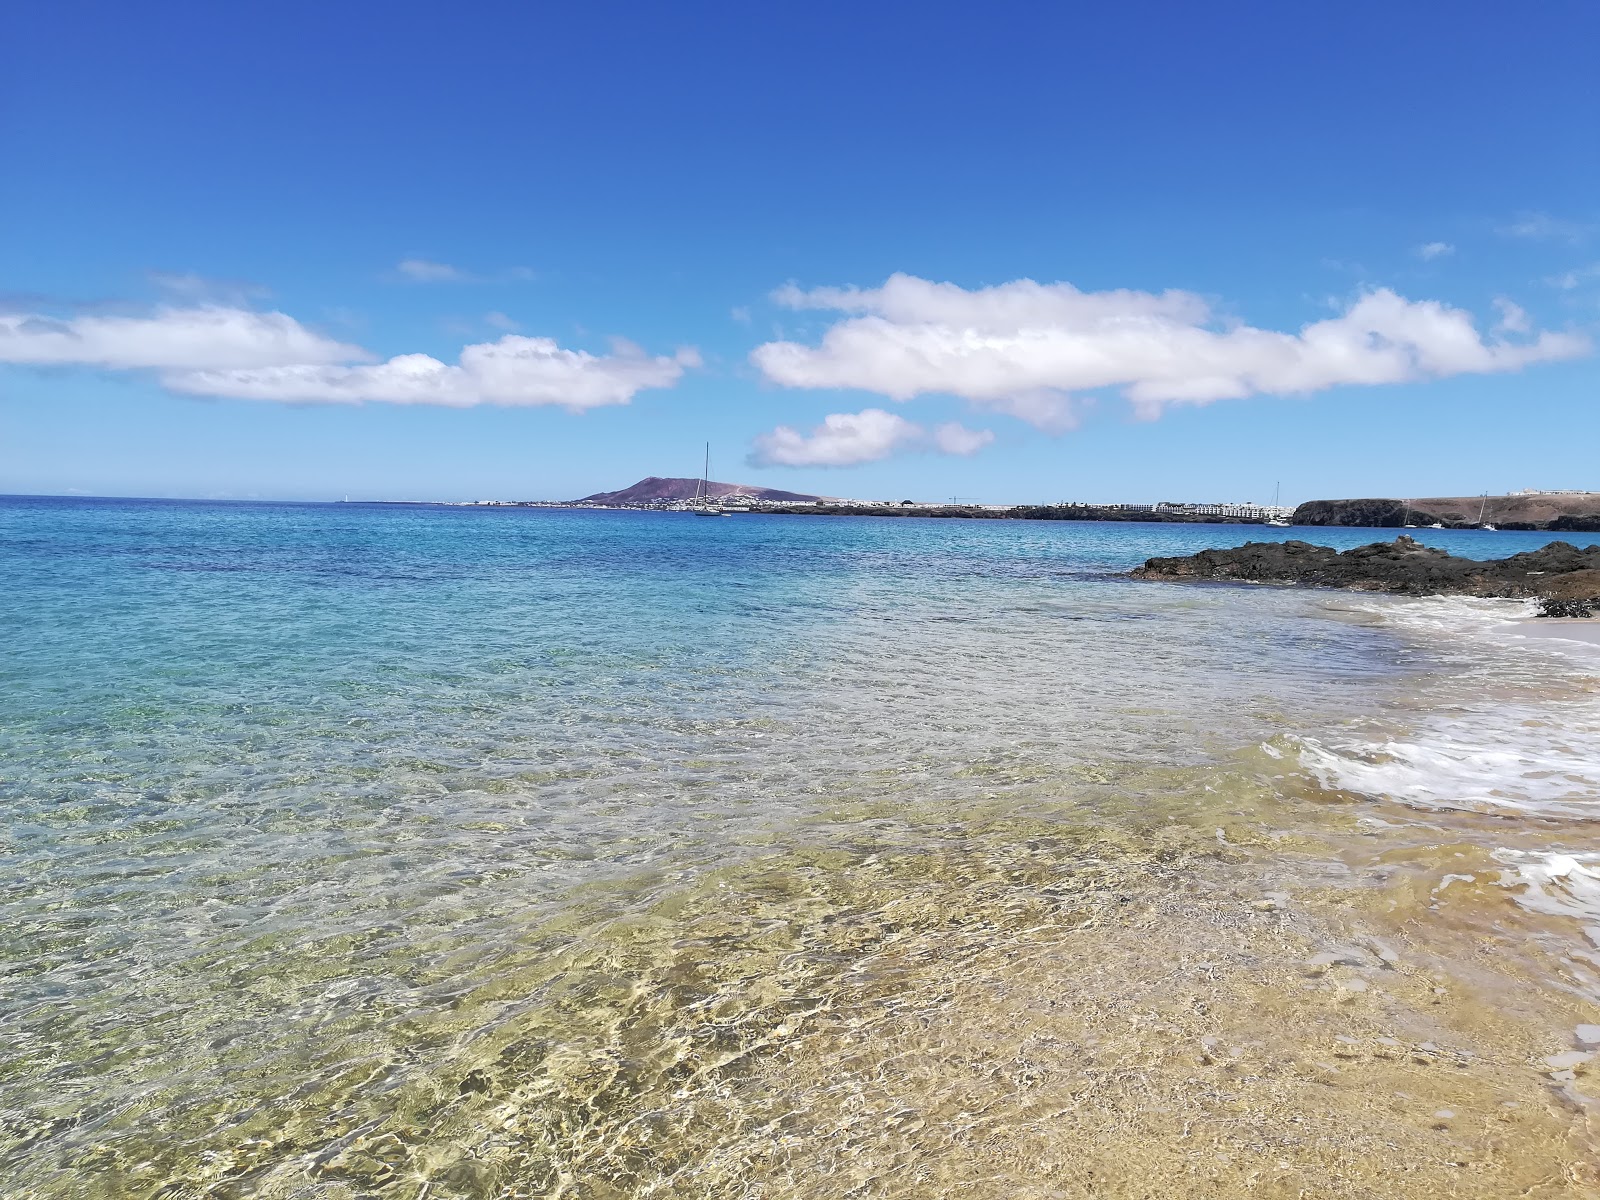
(1043, 408)
(202, 289)
(424, 270)
(204, 337)
(1025, 347)
(849, 439)
(1538, 226)
(421, 270)
(842, 440)
(955, 438)
(1513, 317)
(1429, 251)
(499, 320)
(1568, 280)
(514, 371)
(234, 352)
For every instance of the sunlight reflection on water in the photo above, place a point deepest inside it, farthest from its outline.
(304, 802)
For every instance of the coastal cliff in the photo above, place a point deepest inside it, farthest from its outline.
(1566, 578)
(1554, 511)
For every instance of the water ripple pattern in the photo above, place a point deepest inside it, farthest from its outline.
(283, 783)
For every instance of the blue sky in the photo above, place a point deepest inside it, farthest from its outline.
(226, 222)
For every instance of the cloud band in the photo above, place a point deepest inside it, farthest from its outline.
(1025, 347)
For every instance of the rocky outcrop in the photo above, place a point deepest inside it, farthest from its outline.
(1567, 578)
(1374, 514)
(1577, 512)
(1575, 594)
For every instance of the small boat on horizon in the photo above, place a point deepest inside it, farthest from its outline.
(1277, 520)
(701, 505)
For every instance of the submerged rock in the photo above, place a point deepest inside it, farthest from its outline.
(1567, 578)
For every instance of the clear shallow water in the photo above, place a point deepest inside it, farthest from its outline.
(314, 811)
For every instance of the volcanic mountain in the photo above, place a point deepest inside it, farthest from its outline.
(654, 490)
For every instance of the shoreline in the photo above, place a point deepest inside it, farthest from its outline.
(1584, 631)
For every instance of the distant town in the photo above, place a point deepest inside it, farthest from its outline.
(1528, 509)
(656, 494)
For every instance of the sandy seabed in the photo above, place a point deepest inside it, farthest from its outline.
(1207, 1004)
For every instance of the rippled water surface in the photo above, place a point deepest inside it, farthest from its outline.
(369, 850)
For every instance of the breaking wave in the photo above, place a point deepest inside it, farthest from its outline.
(1511, 726)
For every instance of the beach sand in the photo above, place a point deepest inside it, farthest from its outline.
(1569, 629)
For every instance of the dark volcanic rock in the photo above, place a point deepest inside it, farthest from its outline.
(1575, 594)
(1377, 514)
(1567, 577)
(1575, 512)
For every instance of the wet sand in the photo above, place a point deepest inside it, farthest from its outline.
(1585, 630)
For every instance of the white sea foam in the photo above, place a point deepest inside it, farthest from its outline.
(1464, 765)
(1503, 725)
(1557, 883)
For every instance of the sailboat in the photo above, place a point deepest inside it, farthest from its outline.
(1277, 520)
(1481, 509)
(701, 505)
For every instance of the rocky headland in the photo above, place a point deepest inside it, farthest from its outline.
(1556, 512)
(1565, 578)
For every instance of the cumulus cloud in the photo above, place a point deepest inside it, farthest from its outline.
(208, 336)
(1429, 251)
(514, 371)
(955, 438)
(1025, 348)
(241, 354)
(849, 439)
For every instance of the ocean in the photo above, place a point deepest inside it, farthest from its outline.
(422, 851)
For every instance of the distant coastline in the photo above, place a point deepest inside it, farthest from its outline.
(1160, 514)
(1181, 514)
(1532, 511)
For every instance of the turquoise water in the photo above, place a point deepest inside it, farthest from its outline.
(299, 798)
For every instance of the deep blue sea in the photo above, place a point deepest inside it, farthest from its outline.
(361, 850)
